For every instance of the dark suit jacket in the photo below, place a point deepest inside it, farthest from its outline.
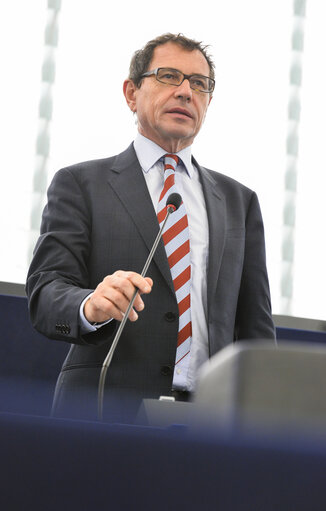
(100, 218)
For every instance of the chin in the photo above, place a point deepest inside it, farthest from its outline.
(178, 133)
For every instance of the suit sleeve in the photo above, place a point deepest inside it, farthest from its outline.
(254, 316)
(58, 279)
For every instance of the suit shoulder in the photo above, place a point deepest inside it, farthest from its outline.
(98, 165)
(89, 165)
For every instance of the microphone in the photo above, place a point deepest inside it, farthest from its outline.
(172, 204)
(174, 201)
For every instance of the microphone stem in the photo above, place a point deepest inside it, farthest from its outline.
(109, 356)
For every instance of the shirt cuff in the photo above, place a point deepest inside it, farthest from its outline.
(85, 326)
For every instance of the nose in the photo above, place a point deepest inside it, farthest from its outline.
(184, 90)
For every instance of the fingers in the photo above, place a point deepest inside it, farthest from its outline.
(112, 296)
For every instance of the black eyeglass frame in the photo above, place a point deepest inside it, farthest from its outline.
(154, 72)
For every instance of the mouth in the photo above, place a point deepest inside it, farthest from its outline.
(181, 112)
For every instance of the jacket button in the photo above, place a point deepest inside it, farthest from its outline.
(166, 370)
(170, 316)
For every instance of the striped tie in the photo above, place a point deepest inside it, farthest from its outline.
(177, 246)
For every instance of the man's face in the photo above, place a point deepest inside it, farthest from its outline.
(171, 116)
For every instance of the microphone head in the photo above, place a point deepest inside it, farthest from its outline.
(174, 201)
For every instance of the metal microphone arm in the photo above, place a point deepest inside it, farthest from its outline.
(107, 361)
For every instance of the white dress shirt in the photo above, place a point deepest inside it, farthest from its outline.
(188, 184)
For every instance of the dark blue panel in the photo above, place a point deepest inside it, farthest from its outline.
(29, 362)
(69, 465)
(294, 334)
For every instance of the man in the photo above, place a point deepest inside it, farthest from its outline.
(100, 223)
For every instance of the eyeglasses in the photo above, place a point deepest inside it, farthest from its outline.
(198, 83)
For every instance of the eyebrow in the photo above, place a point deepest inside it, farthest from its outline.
(176, 69)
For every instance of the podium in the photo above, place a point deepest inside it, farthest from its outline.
(254, 385)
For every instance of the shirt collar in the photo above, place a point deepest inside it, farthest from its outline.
(148, 153)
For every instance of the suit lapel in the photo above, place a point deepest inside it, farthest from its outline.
(216, 213)
(128, 182)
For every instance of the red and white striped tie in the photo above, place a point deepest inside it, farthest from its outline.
(177, 246)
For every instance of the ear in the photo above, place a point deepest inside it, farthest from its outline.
(129, 90)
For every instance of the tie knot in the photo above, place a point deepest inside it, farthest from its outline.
(171, 161)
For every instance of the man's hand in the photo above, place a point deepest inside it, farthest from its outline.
(112, 297)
